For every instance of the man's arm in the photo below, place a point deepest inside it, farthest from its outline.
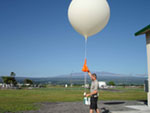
(89, 73)
(92, 93)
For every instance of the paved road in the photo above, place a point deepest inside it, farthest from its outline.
(104, 106)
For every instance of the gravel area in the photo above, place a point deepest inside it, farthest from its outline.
(79, 107)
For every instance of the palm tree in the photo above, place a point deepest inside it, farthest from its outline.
(13, 80)
(12, 74)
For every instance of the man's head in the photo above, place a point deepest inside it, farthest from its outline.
(94, 77)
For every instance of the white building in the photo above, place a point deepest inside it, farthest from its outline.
(66, 85)
(1, 85)
(102, 84)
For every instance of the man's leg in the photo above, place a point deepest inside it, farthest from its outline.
(97, 111)
(91, 105)
(96, 108)
(91, 110)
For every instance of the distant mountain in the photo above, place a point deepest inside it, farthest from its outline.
(78, 78)
(106, 76)
(102, 74)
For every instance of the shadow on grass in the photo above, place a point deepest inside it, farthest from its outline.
(113, 103)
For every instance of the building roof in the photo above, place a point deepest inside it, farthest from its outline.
(143, 31)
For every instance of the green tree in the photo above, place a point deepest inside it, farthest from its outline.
(9, 80)
(28, 81)
(12, 74)
(111, 83)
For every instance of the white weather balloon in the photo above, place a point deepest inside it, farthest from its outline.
(88, 17)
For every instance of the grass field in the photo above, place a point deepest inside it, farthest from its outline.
(24, 99)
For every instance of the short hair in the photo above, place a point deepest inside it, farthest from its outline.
(94, 74)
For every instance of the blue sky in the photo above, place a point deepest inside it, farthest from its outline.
(37, 40)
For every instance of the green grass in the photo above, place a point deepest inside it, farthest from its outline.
(21, 100)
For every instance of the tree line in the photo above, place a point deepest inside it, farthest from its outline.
(12, 81)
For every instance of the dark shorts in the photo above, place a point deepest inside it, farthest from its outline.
(93, 104)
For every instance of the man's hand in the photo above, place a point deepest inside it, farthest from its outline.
(87, 95)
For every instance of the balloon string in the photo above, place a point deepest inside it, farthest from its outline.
(85, 74)
(84, 82)
(85, 48)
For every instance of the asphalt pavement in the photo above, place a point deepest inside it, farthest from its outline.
(104, 106)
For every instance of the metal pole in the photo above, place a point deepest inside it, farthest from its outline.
(148, 63)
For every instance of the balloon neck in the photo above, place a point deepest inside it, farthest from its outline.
(85, 37)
